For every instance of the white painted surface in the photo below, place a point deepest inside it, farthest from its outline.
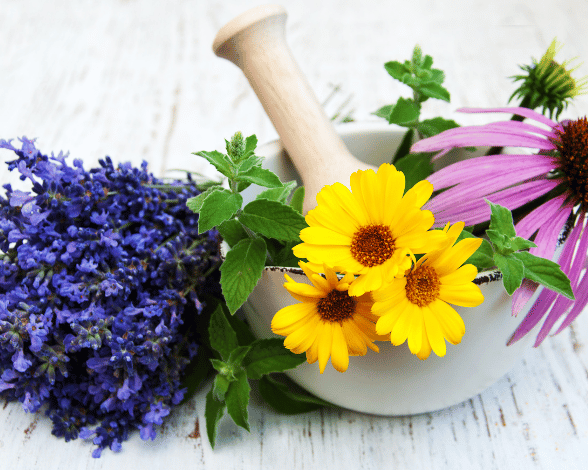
(138, 80)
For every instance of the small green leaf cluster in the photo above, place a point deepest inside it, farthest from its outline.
(426, 82)
(241, 358)
(260, 233)
(509, 254)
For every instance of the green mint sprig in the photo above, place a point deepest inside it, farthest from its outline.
(242, 358)
(515, 263)
(259, 232)
(426, 82)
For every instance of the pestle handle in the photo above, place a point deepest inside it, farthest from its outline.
(255, 42)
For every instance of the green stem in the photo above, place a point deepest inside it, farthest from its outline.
(404, 147)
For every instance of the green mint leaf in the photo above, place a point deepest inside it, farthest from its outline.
(278, 194)
(220, 161)
(242, 186)
(405, 112)
(250, 144)
(284, 400)
(434, 90)
(232, 231)
(297, 199)
(431, 127)
(220, 387)
(195, 203)
(223, 338)
(241, 270)
(384, 111)
(483, 257)
(273, 219)
(270, 355)
(437, 76)
(237, 399)
(219, 206)
(520, 243)
(404, 147)
(501, 242)
(260, 176)
(545, 272)
(213, 413)
(416, 167)
(285, 257)
(512, 270)
(501, 220)
(250, 162)
(397, 70)
(427, 62)
(238, 354)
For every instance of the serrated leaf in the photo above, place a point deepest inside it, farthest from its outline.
(285, 257)
(273, 219)
(270, 355)
(431, 127)
(278, 194)
(220, 161)
(397, 70)
(519, 243)
(232, 231)
(250, 143)
(416, 167)
(249, 162)
(260, 176)
(500, 241)
(220, 385)
(501, 219)
(238, 354)
(237, 400)
(214, 411)
(219, 206)
(297, 199)
(195, 203)
(223, 338)
(286, 401)
(242, 186)
(405, 112)
(434, 90)
(384, 111)
(545, 272)
(241, 270)
(512, 271)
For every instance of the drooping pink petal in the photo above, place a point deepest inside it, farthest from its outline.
(480, 136)
(478, 211)
(579, 304)
(523, 127)
(549, 233)
(503, 165)
(562, 303)
(538, 309)
(521, 296)
(539, 216)
(525, 112)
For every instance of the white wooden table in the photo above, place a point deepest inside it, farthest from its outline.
(138, 80)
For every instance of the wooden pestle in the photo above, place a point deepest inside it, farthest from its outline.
(255, 42)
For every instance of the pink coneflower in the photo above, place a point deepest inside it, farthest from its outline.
(556, 176)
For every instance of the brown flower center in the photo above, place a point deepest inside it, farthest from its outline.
(372, 245)
(422, 285)
(336, 306)
(572, 144)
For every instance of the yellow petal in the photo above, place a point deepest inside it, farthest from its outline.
(339, 352)
(323, 236)
(399, 332)
(463, 275)
(306, 291)
(301, 339)
(415, 332)
(451, 323)
(325, 337)
(354, 339)
(465, 295)
(434, 332)
(291, 314)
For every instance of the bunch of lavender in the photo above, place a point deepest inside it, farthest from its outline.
(102, 273)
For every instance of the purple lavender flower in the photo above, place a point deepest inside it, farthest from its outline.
(556, 176)
(94, 322)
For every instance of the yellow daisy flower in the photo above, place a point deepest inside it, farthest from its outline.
(416, 306)
(328, 322)
(372, 230)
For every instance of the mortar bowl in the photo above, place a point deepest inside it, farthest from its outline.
(394, 382)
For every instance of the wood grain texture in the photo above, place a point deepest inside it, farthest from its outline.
(137, 80)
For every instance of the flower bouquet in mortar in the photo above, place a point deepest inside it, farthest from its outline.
(116, 302)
